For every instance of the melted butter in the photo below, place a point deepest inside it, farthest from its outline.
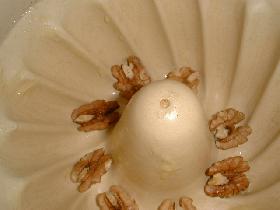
(172, 115)
(25, 87)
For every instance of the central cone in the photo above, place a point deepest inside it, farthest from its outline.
(162, 140)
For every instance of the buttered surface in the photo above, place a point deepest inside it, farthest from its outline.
(59, 57)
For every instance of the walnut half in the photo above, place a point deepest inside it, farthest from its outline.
(90, 168)
(223, 126)
(187, 76)
(187, 203)
(184, 202)
(116, 199)
(167, 204)
(97, 115)
(127, 84)
(227, 177)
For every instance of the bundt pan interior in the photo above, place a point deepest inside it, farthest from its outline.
(56, 55)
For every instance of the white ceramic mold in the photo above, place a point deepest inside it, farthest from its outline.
(58, 56)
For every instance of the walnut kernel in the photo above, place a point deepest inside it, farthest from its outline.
(167, 204)
(116, 199)
(97, 115)
(127, 84)
(90, 168)
(227, 177)
(187, 76)
(223, 126)
(184, 202)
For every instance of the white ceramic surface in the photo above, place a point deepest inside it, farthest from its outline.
(59, 56)
(10, 12)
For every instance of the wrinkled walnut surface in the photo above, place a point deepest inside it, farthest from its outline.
(187, 76)
(116, 199)
(128, 86)
(184, 202)
(167, 204)
(97, 115)
(233, 170)
(223, 126)
(90, 168)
